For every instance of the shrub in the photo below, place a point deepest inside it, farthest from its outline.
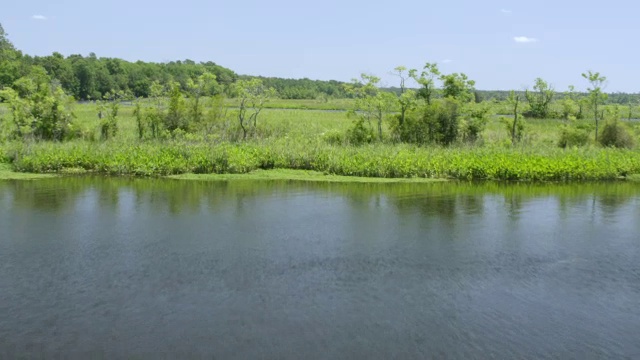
(571, 136)
(615, 134)
(333, 137)
(359, 133)
(519, 130)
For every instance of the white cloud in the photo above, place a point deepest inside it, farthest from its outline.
(446, 61)
(524, 39)
(39, 17)
(505, 11)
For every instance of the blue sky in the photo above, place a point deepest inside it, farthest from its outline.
(500, 44)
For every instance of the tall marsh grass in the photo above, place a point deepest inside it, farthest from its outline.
(377, 160)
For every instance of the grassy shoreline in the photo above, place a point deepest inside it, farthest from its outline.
(7, 173)
(320, 161)
(296, 175)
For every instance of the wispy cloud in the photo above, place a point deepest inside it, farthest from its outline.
(446, 61)
(505, 11)
(524, 39)
(39, 17)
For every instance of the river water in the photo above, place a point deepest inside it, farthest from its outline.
(135, 268)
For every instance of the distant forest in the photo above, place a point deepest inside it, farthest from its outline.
(92, 77)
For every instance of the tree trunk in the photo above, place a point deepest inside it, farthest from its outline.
(515, 120)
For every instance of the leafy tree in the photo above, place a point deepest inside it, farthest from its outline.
(457, 86)
(442, 120)
(39, 109)
(475, 118)
(10, 64)
(253, 95)
(108, 113)
(426, 80)
(407, 97)
(516, 128)
(371, 103)
(569, 104)
(596, 96)
(176, 119)
(204, 85)
(539, 99)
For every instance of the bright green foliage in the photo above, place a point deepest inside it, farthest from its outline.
(426, 80)
(539, 99)
(39, 109)
(214, 116)
(474, 119)
(10, 64)
(378, 160)
(359, 133)
(441, 120)
(140, 120)
(515, 128)
(204, 85)
(108, 114)
(569, 105)
(370, 102)
(457, 86)
(596, 96)
(176, 118)
(407, 98)
(572, 135)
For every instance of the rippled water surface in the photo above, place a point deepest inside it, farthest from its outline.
(119, 268)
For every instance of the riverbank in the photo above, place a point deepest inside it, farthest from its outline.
(7, 173)
(297, 175)
(381, 161)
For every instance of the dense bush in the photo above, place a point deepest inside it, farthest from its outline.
(437, 123)
(360, 133)
(616, 134)
(573, 135)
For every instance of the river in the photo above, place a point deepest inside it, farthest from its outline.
(144, 268)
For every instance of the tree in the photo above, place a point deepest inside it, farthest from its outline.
(371, 103)
(596, 96)
(9, 61)
(253, 96)
(426, 79)
(516, 128)
(175, 118)
(457, 86)
(40, 110)
(407, 97)
(569, 105)
(540, 99)
(204, 85)
(108, 113)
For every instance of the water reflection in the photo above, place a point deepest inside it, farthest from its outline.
(282, 269)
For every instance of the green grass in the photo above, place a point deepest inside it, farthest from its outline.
(330, 104)
(378, 160)
(292, 140)
(7, 173)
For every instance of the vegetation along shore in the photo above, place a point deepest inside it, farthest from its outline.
(80, 114)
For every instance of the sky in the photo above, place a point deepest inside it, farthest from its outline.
(502, 45)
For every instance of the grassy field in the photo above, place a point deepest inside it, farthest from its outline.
(295, 139)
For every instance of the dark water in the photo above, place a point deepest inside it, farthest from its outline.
(118, 268)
